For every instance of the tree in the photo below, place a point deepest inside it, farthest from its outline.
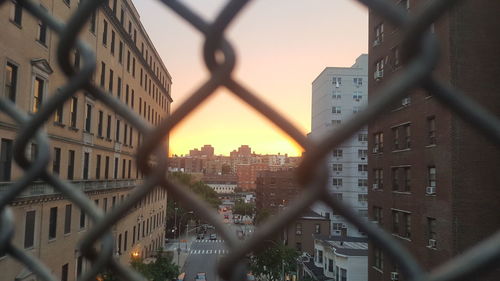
(273, 262)
(162, 269)
(262, 215)
(242, 208)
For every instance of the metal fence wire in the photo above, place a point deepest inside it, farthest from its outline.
(420, 50)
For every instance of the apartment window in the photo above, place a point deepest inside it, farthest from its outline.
(108, 128)
(120, 52)
(73, 111)
(379, 34)
(133, 235)
(115, 176)
(82, 219)
(58, 116)
(16, 13)
(320, 256)
(123, 168)
(71, 164)
(407, 225)
(358, 81)
(431, 176)
(395, 222)
(103, 74)
(114, 7)
(117, 132)
(378, 258)
(128, 61)
(395, 134)
(431, 129)
(42, 30)
(336, 110)
(298, 229)
(337, 167)
(133, 67)
(122, 17)
(431, 231)
(99, 123)
(343, 274)
(395, 179)
(56, 162)
(379, 179)
(362, 153)
(10, 81)
(88, 118)
(396, 61)
(377, 215)
(67, 219)
(317, 228)
(337, 81)
(129, 168)
(106, 168)
(298, 246)
(379, 69)
(378, 145)
(98, 167)
(362, 182)
(105, 33)
(112, 42)
(29, 229)
(362, 198)
(64, 272)
(38, 89)
(362, 137)
(93, 18)
(362, 167)
(119, 244)
(125, 241)
(337, 182)
(53, 223)
(79, 266)
(111, 81)
(407, 135)
(337, 153)
(86, 157)
(407, 179)
(105, 205)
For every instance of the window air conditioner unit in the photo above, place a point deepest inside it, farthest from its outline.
(375, 149)
(337, 85)
(375, 186)
(432, 243)
(394, 276)
(376, 42)
(406, 101)
(337, 232)
(378, 74)
(430, 190)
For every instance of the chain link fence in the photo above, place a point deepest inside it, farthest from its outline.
(420, 51)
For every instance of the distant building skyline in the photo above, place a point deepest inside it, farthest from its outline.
(208, 149)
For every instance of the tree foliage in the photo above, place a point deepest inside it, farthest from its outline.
(162, 269)
(242, 208)
(261, 216)
(274, 261)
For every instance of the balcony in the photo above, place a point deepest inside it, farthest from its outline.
(42, 188)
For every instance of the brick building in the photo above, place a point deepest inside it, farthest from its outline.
(275, 190)
(433, 178)
(247, 174)
(90, 145)
(300, 233)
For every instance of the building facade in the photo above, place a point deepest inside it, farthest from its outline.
(300, 233)
(91, 146)
(427, 166)
(338, 93)
(275, 190)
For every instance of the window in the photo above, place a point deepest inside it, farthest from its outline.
(362, 167)
(16, 13)
(336, 110)
(396, 60)
(112, 42)
(5, 159)
(103, 74)
(99, 123)
(337, 81)
(317, 228)
(128, 61)
(337, 153)
(106, 168)
(395, 179)
(82, 219)
(117, 135)
(336, 122)
(123, 168)
(79, 266)
(363, 137)
(406, 179)
(378, 145)
(362, 153)
(125, 241)
(431, 129)
(338, 196)
(358, 81)
(377, 215)
(298, 246)
(71, 164)
(105, 33)
(407, 135)
(115, 176)
(395, 134)
(298, 229)
(98, 167)
(407, 225)
(362, 182)
(93, 22)
(86, 157)
(53, 223)
(119, 88)
(120, 52)
(29, 229)
(337, 167)
(401, 224)
(330, 265)
(337, 182)
(58, 116)
(378, 182)
(119, 246)
(38, 89)
(110, 86)
(122, 17)
(379, 34)
(67, 219)
(133, 67)
(42, 30)
(10, 81)
(320, 256)
(378, 258)
(105, 205)
(88, 118)
(56, 162)
(73, 111)
(362, 198)
(431, 176)
(64, 272)
(343, 274)
(431, 231)
(108, 128)
(379, 69)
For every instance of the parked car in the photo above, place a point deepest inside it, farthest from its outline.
(213, 236)
(200, 276)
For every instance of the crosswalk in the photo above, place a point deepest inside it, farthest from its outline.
(210, 241)
(209, 252)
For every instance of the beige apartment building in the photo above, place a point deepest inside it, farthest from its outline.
(91, 146)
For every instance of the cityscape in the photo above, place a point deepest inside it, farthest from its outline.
(122, 175)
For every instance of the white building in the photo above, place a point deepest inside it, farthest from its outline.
(338, 93)
(223, 188)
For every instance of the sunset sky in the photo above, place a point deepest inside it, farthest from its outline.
(281, 46)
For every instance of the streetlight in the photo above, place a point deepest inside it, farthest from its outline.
(179, 235)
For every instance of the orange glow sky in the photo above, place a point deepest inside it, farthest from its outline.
(282, 45)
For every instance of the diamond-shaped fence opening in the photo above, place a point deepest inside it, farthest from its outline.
(419, 53)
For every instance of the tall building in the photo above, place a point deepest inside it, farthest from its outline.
(275, 190)
(338, 93)
(91, 146)
(433, 178)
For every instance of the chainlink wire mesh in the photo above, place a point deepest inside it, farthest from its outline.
(420, 56)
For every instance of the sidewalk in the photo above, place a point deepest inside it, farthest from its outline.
(179, 257)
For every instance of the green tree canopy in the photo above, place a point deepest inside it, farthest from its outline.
(242, 208)
(274, 261)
